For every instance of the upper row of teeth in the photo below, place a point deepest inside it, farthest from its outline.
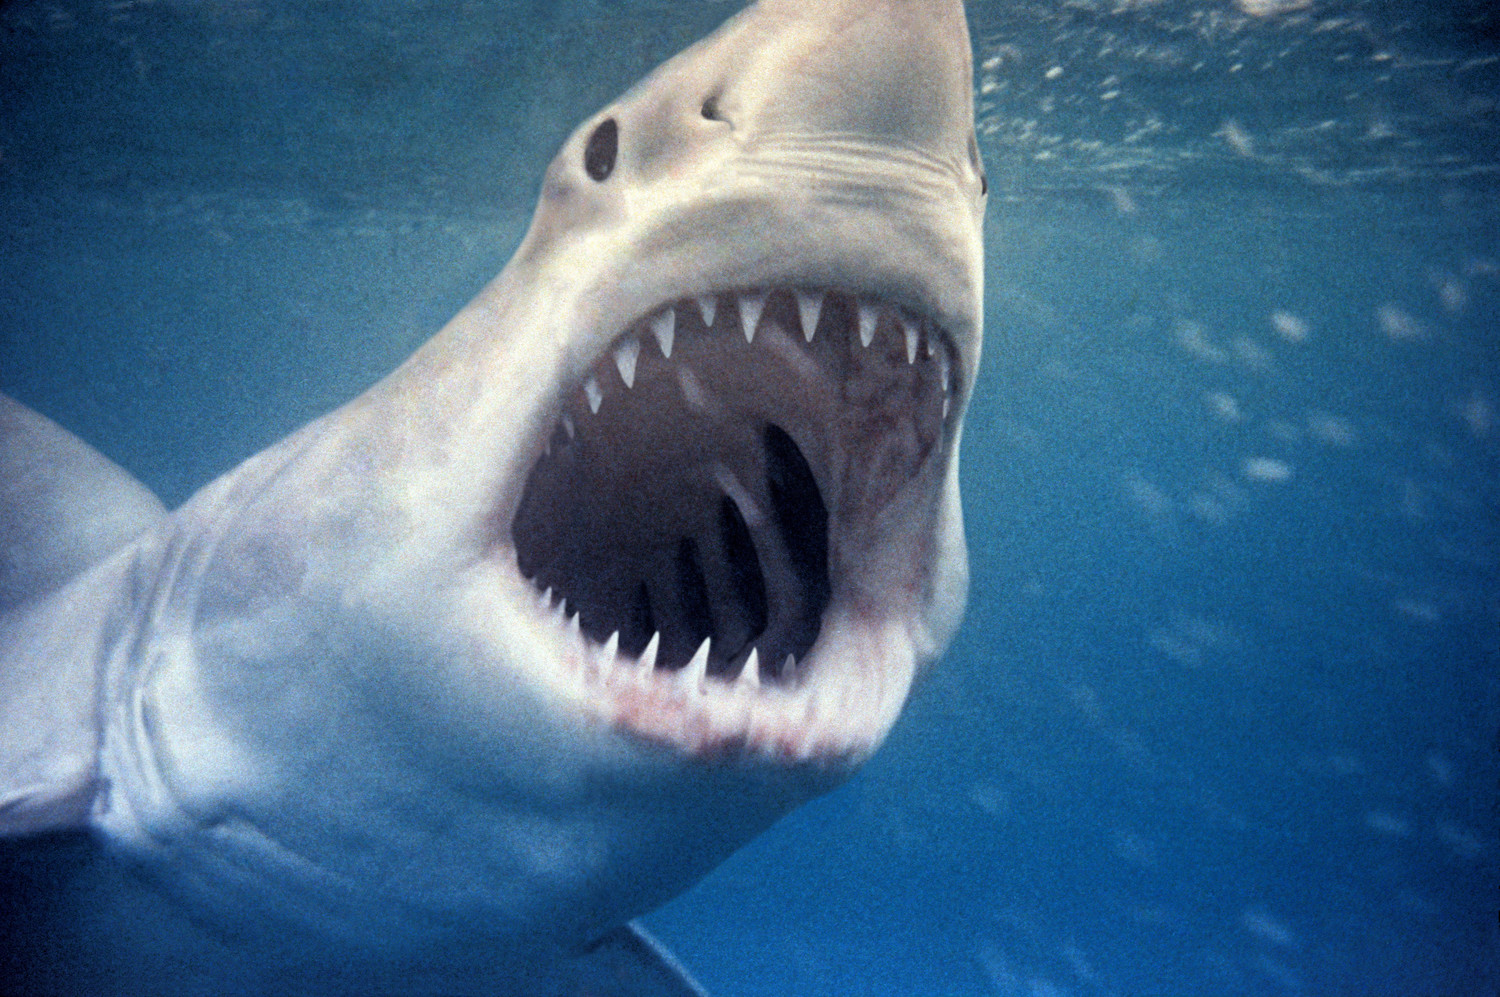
(663, 326)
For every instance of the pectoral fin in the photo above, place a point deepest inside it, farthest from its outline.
(63, 505)
(628, 962)
(63, 508)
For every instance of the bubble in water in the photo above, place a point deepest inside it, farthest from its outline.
(1397, 324)
(1266, 469)
(1270, 8)
(1289, 326)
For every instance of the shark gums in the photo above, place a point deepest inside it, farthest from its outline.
(641, 551)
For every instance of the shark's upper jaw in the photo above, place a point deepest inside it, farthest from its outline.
(727, 540)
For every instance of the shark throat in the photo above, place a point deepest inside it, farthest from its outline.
(734, 465)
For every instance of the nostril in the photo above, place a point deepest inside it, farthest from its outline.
(711, 108)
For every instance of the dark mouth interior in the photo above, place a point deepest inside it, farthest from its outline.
(704, 498)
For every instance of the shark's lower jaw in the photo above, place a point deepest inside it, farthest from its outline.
(730, 533)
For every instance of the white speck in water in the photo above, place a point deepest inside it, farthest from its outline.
(1479, 414)
(1397, 324)
(1331, 429)
(1453, 296)
(1288, 326)
(1237, 138)
(1252, 354)
(1192, 337)
(1270, 8)
(1223, 405)
(1267, 469)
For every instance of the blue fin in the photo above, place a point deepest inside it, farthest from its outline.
(63, 505)
(628, 962)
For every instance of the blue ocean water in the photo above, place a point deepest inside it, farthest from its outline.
(1225, 714)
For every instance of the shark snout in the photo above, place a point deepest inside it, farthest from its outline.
(898, 70)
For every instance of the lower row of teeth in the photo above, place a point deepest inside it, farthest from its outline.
(663, 327)
(694, 675)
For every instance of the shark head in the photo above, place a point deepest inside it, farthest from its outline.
(647, 545)
(731, 519)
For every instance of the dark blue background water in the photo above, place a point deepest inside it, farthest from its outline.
(1225, 714)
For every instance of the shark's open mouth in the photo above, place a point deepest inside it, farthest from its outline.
(737, 470)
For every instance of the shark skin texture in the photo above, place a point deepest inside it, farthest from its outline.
(641, 551)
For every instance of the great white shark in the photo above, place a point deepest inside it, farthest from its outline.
(642, 550)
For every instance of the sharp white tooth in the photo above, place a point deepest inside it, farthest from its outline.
(809, 307)
(625, 357)
(868, 315)
(789, 668)
(709, 306)
(648, 657)
(750, 674)
(910, 329)
(611, 648)
(930, 347)
(665, 327)
(946, 406)
(696, 671)
(546, 598)
(560, 613)
(595, 393)
(569, 428)
(573, 624)
(751, 305)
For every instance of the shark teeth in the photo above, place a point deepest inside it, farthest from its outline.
(750, 673)
(869, 316)
(704, 477)
(647, 660)
(626, 355)
(803, 314)
(814, 710)
(809, 307)
(664, 327)
(806, 309)
(695, 524)
(751, 307)
(696, 672)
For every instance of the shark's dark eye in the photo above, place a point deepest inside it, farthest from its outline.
(599, 154)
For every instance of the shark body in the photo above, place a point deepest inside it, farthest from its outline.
(641, 551)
